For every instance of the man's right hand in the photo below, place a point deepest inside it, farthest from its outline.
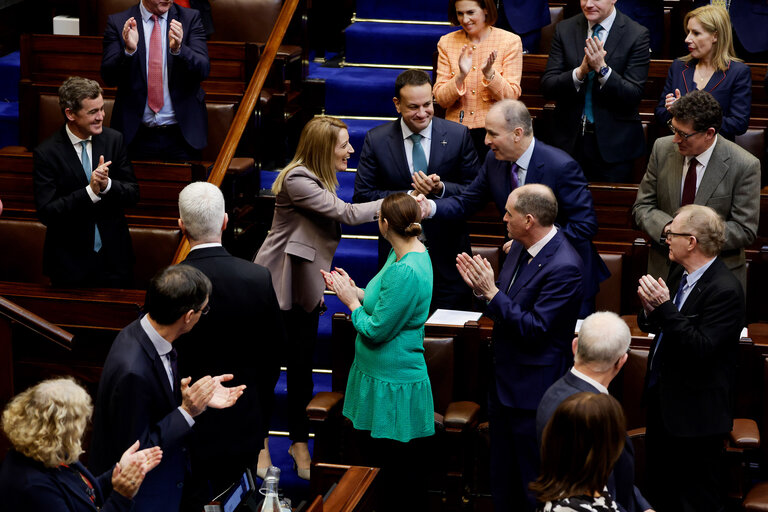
(100, 176)
(130, 35)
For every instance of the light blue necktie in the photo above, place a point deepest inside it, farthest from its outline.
(417, 155)
(87, 169)
(596, 31)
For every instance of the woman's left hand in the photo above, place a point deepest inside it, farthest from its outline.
(134, 464)
(488, 68)
(339, 282)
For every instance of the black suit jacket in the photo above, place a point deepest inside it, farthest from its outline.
(26, 484)
(185, 73)
(64, 206)
(615, 105)
(621, 483)
(242, 334)
(135, 401)
(383, 170)
(698, 358)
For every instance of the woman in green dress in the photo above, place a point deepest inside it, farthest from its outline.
(388, 392)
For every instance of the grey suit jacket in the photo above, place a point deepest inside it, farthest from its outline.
(730, 186)
(305, 233)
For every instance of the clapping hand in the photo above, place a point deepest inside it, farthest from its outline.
(134, 464)
(339, 282)
(427, 184)
(477, 272)
(670, 98)
(130, 35)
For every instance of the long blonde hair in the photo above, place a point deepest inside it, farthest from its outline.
(316, 152)
(715, 20)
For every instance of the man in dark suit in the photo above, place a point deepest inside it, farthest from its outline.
(159, 105)
(82, 181)
(387, 165)
(600, 351)
(596, 72)
(534, 306)
(518, 158)
(696, 165)
(140, 393)
(246, 323)
(691, 364)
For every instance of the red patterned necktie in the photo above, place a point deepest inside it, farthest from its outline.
(183, 3)
(689, 186)
(155, 71)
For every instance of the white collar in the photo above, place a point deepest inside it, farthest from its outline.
(426, 132)
(538, 246)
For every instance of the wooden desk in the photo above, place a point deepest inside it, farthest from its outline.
(354, 489)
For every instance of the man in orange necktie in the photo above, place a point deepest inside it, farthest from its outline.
(156, 54)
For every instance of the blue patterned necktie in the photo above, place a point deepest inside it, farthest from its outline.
(87, 169)
(596, 32)
(417, 155)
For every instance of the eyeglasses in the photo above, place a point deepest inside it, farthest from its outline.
(681, 134)
(668, 234)
(205, 309)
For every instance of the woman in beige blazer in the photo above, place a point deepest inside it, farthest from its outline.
(305, 233)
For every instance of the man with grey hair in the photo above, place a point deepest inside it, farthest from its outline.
(691, 364)
(534, 306)
(517, 158)
(600, 351)
(245, 322)
(82, 182)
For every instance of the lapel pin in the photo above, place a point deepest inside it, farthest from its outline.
(444, 142)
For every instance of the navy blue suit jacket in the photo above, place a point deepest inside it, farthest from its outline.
(650, 14)
(621, 483)
(26, 484)
(383, 170)
(731, 88)
(534, 321)
(135, 401)
(618, 129)
(552, 167)
(64, 206)
(185, 73)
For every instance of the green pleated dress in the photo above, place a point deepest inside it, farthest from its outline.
(388, 390)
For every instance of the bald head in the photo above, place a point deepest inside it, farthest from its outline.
(536, 200)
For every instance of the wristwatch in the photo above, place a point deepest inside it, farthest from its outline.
(604, 70)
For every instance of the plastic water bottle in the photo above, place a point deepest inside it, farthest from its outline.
(269, 488)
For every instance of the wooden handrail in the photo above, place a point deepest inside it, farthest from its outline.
(31, 321)
(247, 105)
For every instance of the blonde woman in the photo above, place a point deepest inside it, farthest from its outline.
(306, 229)
(41, 472)
(711, 65)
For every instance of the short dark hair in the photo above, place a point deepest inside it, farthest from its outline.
(538, 200)
(701, 108)
(414, 77)
(489, 6)
(175, 290)
(74, 90)
(402, 214)
(580, 445)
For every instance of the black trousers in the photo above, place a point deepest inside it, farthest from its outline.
(301, 328)
(684, 474)
(402, 481)
(595, 168)
(161, 143)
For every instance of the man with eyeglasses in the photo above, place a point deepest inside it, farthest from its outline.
(142, 396)
(704, 169)
(600, 351)
(697, 319)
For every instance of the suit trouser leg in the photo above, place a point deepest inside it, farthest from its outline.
(685, 474)
(514, 455)
(302, 336)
